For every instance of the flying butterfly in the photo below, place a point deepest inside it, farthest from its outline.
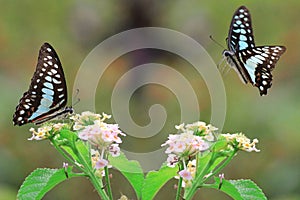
(47, 95)
(252, 63)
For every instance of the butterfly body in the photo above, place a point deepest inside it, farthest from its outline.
(47, 96)
(252, 63)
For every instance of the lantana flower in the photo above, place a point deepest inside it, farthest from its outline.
(87, 118)
(45, 131)
(194, 138)
(240, 141)
(105, 137)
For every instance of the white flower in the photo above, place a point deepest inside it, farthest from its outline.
(241, 142)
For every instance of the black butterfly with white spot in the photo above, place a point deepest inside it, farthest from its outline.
(47, 94)
(252, 63)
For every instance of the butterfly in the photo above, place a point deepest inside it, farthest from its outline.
(47, 96)
(252, 63)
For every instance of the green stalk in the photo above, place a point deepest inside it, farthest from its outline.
(96, 181)
(76, 175)
(87, 168)
(107, 181)
(179, 186)
(199, 179)
(178, 193)
(222, 165)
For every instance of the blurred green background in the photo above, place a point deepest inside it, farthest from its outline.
(74, 28)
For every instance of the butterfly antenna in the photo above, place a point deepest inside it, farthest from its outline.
(215, 41)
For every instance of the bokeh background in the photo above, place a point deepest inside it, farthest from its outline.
(74, 28)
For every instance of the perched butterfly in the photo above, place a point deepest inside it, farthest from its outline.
(47, 94)
(252, 63)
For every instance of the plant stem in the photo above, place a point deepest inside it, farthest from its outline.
(107, 180)
(98, 186)
(96, 181)
(77, 175)
(86, 169)
(178, 193)
(179, 186)
(199, 179)
(222, 165)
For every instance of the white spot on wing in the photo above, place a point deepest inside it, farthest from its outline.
(56, 81)
(261, 88)
(53, 71)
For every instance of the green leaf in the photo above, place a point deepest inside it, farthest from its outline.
(70, 152)
(39, 182)
(242, 190)
(155, 180)
(68, 135)
(219, 145)
(74, 146)
(84, 151)
(131, 170)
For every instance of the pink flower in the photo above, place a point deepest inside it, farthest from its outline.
(185, 144)
(114, 150)
(101, 134)
(199, 144)
(101, 163)
(172, 160)
(179, 146)
(185, 174)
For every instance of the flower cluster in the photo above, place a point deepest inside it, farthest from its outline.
(105, 137)
(45, 131)
(201, 129)
(194, 138)
(87, 118)
(241, 142)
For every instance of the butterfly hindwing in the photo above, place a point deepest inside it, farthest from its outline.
(47, 93)
(240, 34)
(259, 63)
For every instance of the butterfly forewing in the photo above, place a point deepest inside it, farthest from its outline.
(240, 33)
(47, 92)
